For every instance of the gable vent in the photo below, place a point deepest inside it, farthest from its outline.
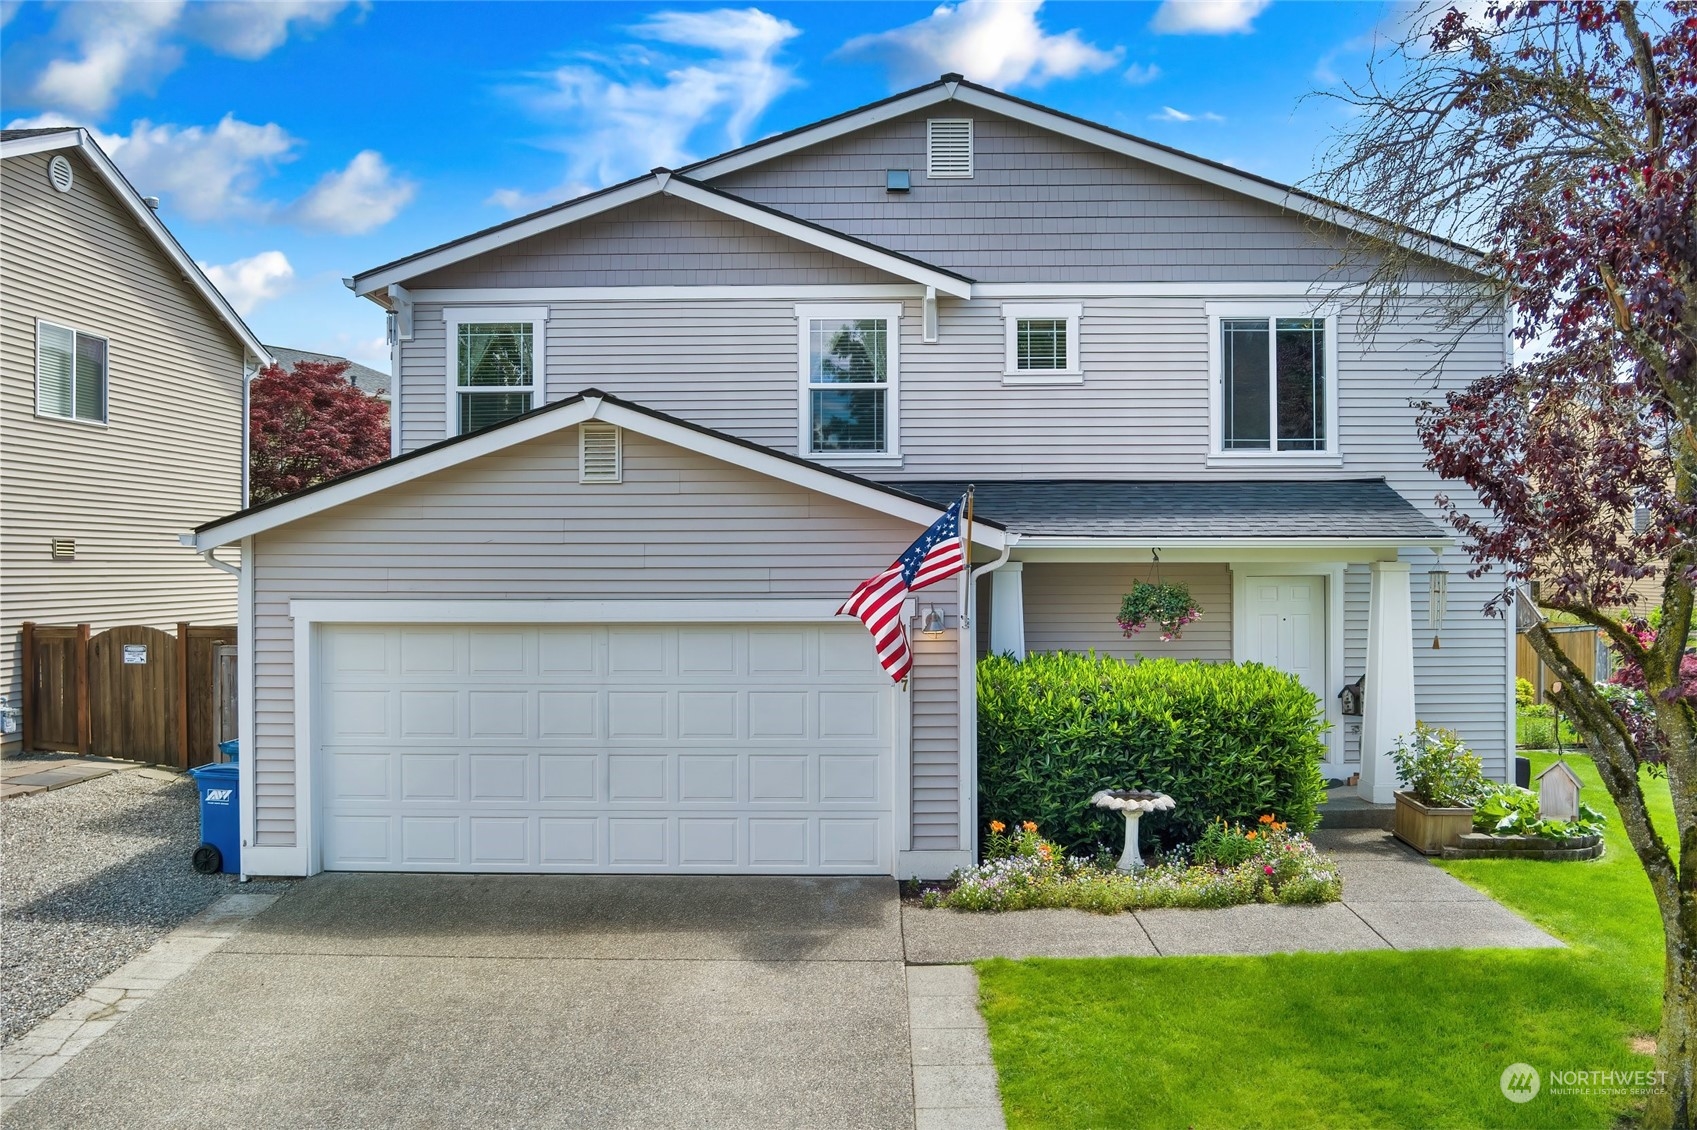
(948, 147)
(64, 549)
(598, 454)
(60, 174)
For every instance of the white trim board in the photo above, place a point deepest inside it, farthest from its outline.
(374, 284)
(891, 315)
(461, 450)
(851, 292)
(84, 143)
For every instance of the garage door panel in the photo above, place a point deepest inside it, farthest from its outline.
(642, 748)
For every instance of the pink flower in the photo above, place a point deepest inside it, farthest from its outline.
(1269, 869)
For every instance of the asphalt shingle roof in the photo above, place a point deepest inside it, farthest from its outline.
(20, 134)
(1143, 508)
(372, 382)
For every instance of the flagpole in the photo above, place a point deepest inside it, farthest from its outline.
(966, 553)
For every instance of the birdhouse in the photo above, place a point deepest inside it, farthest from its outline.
(1558, 793)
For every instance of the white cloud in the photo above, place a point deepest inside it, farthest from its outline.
(207, 174)
(254, 30)
(1207, 17)
(995, 42)
(1168, 114)
(642, 109)
(365, 195)
(251, 281)
(102, 50)
(1142, 74)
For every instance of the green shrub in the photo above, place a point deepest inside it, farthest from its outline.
(1524, 693)
(1437, 769)
(1535, 728)
(1226, 741)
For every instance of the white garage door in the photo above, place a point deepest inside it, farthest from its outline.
(712, 748)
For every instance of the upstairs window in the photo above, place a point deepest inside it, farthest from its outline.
(496, 372)
(1042, 343)
(848, 359)
(70, 374)
(1273, 391)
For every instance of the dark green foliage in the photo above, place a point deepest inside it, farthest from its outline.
(1225, 741)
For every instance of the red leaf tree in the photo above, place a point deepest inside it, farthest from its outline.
(1562, 140)
(308, 426)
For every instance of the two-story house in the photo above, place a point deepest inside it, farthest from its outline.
(122, 403)
(649, 440)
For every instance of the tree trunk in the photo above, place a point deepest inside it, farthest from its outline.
(1672, 1103)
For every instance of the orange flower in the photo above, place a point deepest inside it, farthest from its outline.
(1250, 836)
(1266, 818)
(998, 827)
(1029, 826)
(1278, 826)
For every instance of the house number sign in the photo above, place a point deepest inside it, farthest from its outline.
(135, 653)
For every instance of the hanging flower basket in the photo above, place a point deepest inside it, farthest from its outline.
(1168, 607)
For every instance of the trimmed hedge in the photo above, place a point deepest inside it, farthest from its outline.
(1224, 740)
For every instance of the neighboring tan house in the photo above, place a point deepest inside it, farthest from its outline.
(122, 384)
(370, 381)
(651, 438)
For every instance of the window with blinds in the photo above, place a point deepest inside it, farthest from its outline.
(70, 374)
(1042, 342)
(948, 148)
(1273, 378)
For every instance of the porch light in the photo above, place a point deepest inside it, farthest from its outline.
(933, 623)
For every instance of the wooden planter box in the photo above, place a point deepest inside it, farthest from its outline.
(1430, 830)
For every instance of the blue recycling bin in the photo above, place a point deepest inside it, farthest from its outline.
(231, 749)
(220, 830)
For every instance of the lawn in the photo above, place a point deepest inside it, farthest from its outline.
(1392, 1039)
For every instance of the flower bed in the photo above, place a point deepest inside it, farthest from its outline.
(1230, 865)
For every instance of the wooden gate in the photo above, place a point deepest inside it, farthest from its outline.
(129, 692)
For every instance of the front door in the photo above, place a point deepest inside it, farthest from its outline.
(1286, 628)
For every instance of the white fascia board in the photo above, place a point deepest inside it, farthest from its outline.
(1318, 291)
(374, 283)
(805, 233)
(80, 140)
(549, 294)
(1227, 545)
(638, 611)
(546, 423)
(391, 475)
(805, 138)
(1277, 196)
(798, 474)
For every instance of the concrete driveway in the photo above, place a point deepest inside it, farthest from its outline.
(411, 1000)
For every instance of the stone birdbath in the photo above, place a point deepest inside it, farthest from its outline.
(1133, 804)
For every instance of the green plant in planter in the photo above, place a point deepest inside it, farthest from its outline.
(1508, 810)
(1437, 769)
(1167, 605)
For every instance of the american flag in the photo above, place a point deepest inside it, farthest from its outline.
(877, 602)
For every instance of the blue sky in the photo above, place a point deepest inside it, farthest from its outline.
(295, 142)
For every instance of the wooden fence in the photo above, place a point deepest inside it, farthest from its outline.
(1583, 645)
(131, 692)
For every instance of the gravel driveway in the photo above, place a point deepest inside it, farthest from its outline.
(94, 874)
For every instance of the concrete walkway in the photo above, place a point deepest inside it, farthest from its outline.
(1393, 898)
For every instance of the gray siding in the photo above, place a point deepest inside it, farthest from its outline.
(936, 740)
(169, 455)
(517, 524)
(1074, 608)
(1040, 207)
(655, 242)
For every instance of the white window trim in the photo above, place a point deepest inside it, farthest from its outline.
(455, 317)
(891, 312)
(1271, 458)
(105, 377)
(1012, 374)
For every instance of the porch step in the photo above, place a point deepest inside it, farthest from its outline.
(1344, 809)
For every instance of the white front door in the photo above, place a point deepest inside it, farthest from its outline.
(618, 747)
(1285, 622)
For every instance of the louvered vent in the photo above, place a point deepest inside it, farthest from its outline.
(598, 454)
(60, 174)
(949, 147)
(64, 549)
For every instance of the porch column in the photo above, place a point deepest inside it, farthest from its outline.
(1007, 610)
(1388, 712)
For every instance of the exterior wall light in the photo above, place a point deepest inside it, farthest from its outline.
(933, 624)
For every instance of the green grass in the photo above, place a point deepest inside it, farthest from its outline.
(1388, 1039)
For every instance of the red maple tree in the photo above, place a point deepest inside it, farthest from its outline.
(1561, 139)
(308, 426)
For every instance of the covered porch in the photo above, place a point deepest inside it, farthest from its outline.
(1317, 578)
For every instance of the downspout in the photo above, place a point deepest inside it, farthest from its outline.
(245, 778)
(224, 566)
(969, 698)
